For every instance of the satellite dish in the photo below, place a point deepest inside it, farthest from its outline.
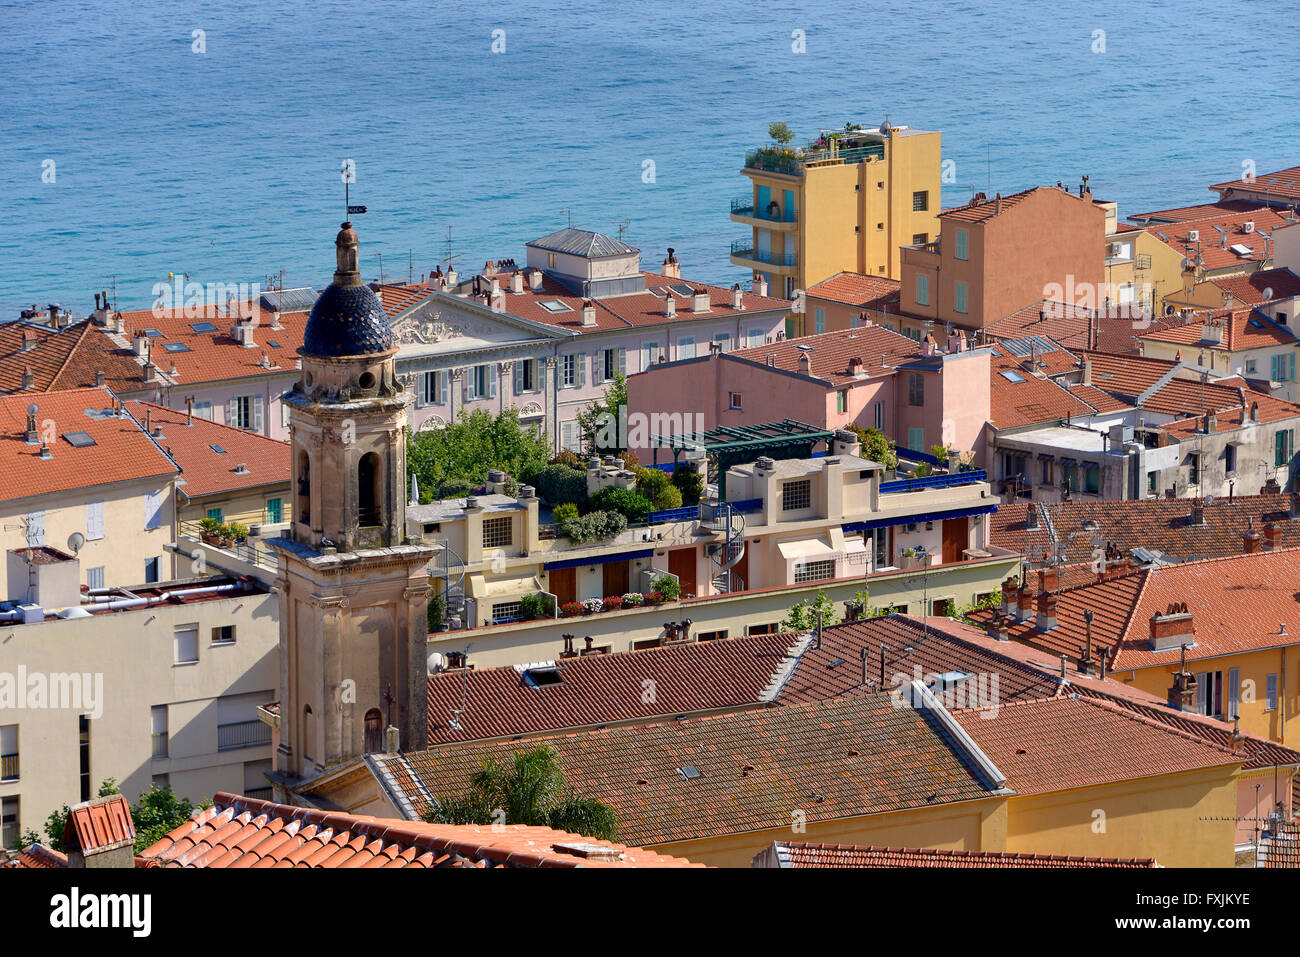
(436, 662)
(75, 541)
(1268, 292)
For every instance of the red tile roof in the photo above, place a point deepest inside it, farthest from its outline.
(121, 450)
(610, 689)
(879, 348)
(1282, 184)
(37, 857)
(1238, 329)
(1068, 325)
(1128, 377)
(1032, 399)
(1213, 255)
(205, 471)
(1267, 285)
(1181, 214)
(242, 832)
(857, 289)
(833, 759)
(66, 358)
(1066, 742)
(977, 211)
(100, 825)
(849, 855)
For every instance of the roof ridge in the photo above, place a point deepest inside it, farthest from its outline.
(212, 422)
(68, 358)
(1152, 723)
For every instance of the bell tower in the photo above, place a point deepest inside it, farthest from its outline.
(353, 593)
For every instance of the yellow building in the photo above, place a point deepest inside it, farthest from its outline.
(848, 201)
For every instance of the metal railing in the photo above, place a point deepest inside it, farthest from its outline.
(245, 551)
(792, 162)
(745, 207)
(949, 480)
(744, 248)
(242, 734)
(160, 744)
(8, 767)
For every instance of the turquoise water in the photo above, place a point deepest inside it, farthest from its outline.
(225, 164)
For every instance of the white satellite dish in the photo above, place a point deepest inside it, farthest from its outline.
(436, 662)
(75, 542)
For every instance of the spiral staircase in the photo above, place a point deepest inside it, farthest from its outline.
(726, 555)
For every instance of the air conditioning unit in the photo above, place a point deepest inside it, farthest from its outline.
(1193, 235)
(1248, 227)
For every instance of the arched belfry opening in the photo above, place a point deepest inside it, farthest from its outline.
(303, 508)
(369, 484)
(374, 731)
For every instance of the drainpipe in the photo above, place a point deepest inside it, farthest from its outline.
(1281, 701)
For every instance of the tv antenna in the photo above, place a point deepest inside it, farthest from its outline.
(450, 258)
(348, 173)
(568, 212)
(622, 228)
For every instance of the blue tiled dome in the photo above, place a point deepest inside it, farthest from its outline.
(347, 321)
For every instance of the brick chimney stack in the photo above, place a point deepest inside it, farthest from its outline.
(1046, 620)
(1010, 596)
(1173, 629)
(1182, 693)
(1250, 540)
(1025, 604)
(1272, 536)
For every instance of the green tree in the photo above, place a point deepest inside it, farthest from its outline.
(690, 482)
(803, 615)
(876, 446)
(599, 422)
(456, 458)
(780, 133)
(529, 790)
(159, 811)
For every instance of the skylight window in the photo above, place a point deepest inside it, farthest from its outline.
(688, 773)
(682, 289)
(554, 305)
(79, 440)
(203, 327)
(273, 344)
(153, 333)
(1011, 376)
(218, 449)
(539, 677)
(176, 347)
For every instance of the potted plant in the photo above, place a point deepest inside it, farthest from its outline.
(437, 610)
(571, 609)
(592, 605)
(239, 532)
(210, 530)
(612, 603)
(666, 587)
(633, 599)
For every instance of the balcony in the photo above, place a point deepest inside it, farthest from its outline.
(770, 217)
(744, 254)
(789, 161)
(8, 767)
(242, 734)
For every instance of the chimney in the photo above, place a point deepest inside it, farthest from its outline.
(1254, 412)
(856, 367)
(535, 279)
(1272, 536)
(759, 286)
(1046, 619)
(150, 372)
(99, 377)
(516, 282)
(1198, 513)
(1294, 507)
(1172, 629)
(392, 740)
(29, 340)
(737, 297)
(1025, 604)
(140, 344)
(189, 410)
(1085, 663)
(1250, 540)
(32, 434)
(497, 298)
(29, 378)
(1010, 596)
(670, 306)
(100, 834)
(275, 319)
(148, 419)
(805, 364)
(700, 301)
(1049, 579)
(671, 268)
(1182, 694)
(1087, 370)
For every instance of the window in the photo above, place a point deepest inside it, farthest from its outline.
(963, 244)
(1230, 459)
(94, 521)
(686, 347)
(771, 628)
(612, 362)
(223, 635)
(920, 239)
(1234, 693)
(959, 296)
(1251, 366)
(1270, 691)
(880, 415)
(1209, 693)
(570, 372)
(819, 320)
(186, 641)
(274, 511)
(1045, 472)
(1193, 469)
(734, 398)
(9, 833)
(842, 401)
(709, 636)
(723, 339)
(1283, 446)
(923, 290)
(369, 484)
(83, 747)
(1283, 367)
(920, 201)
(1151, 483)
(1092, 479)
(796, 495)
(245, 412)
(158, 718)
(431, 388)
(9, 752)
(756, 336)
(217, 514)
(525, 376)
(95, 577)
(153, 505)
(915, 388)
(374, 740)
(152, 570)
(916, 438)
(550, 260)
(1070, 477)
(814, 571)
(570, 436)
(480, 382)
(503, 610)
(497, 532)
(649, 354)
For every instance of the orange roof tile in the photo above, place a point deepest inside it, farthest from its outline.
(977, 211)
(62, 359)
(1181, 214)
(239, 832)
(193, 443)
(1231, 329)
(1213, 245)
(99, 825)
(1282, 184)
(1266, 285)
(850, 855)
(879, 348)
(121, 451)
(1028, 399)
(857, 289)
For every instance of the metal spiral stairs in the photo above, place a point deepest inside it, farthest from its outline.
(448, 568)
(726, 554)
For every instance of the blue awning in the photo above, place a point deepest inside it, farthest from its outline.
(599, 559)
(920, 517)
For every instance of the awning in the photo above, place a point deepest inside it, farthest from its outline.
(920, 517)
(480, 587)
(598, 559)
(806, 549)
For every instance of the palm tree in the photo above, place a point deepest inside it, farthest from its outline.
(532, 790)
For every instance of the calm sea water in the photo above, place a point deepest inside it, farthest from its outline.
(224, 164)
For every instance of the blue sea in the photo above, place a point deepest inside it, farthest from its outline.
(218, 153)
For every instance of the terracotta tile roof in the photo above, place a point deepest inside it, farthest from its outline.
(977, 211)
(1099, 400)
(1068, 325)
(1240, 329)
(1213, 255)
(121, 450)
(1128, 377)
(204, 470)
(833, 759)
(240, 832)
(1181, 214)
(1282, 184)
(1031, 399)
(99, 825)
(62, 359)
(36, 857)
(857, 289)
(1236, 603)
(879, 348)
(1266, 285)
(1270, 410)
(609, 689)
(1156, 524)
(836, 668)
(1059, 743)
(850, 855)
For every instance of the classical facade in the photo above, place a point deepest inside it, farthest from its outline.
(353, 594)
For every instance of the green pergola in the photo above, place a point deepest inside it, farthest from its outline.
(741, 444)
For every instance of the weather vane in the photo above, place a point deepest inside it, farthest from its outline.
(348, 173)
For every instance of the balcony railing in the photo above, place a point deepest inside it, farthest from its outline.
(242, 734)
(160, 744)
(792, 162)
(744, 248)
(245, 551)
(949, 480)
(8, 767)
(773, 213)
(743, 206)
